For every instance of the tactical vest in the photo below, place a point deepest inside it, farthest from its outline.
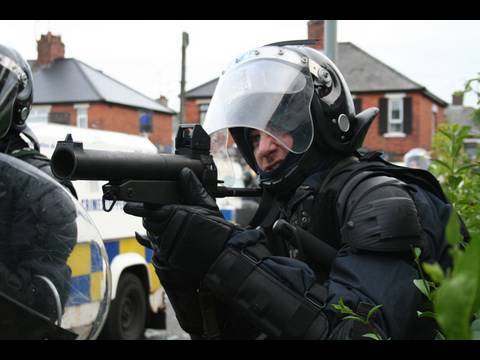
(317, 203)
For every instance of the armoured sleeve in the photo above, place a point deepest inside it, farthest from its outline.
(280, 295)
(276, 295)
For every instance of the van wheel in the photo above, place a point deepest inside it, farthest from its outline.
(128, 312)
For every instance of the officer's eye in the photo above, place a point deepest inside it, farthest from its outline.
(254, 139)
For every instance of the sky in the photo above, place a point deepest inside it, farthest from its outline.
(146, 54)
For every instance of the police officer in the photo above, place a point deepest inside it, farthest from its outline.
(16, 97)
(37, 217)
(292, 117)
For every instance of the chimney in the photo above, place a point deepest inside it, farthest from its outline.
(49, 48)
(457, 98)
(163, 100)
(316, 31)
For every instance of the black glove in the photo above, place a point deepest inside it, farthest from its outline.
(186, 239)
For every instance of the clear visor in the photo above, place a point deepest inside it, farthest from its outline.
(8, 84)
(268, 94)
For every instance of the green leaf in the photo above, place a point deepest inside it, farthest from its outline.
(454, 181)
(372, 311)
(426, 314)
(434, 271)
(422, 285)
(453, 234)
(458, 298)
(356, 318)
(372, 336)
(442, 163)
(417, 251)
(342, 308)
(445, 133)
(466, 167)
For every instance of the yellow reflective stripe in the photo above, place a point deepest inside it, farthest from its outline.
(131, 245)
(96, 286)
(80, 260)
(155, 283)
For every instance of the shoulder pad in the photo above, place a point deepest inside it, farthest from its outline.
(378, 214)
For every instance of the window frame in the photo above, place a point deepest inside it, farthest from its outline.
(82, 109)
(44, 110)
(201, 112)
(395, 98)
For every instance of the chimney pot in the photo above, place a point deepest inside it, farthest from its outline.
(457, 99)
(316, 31)
(49, 48)
(163, 100)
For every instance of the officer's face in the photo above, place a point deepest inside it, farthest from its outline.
(268, 153)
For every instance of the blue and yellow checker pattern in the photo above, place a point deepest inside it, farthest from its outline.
(85, 262)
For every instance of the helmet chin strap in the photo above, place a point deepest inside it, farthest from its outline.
(31, 136)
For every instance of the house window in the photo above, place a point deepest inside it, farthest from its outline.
(145, 120)
(59, 118)
(203, 112)
(39, 114)
(82, 115)
(395, 116)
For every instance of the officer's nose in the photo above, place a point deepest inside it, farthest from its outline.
(266, 145)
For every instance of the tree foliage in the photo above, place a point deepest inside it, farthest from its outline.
(455, 295)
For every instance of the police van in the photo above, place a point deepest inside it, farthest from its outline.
(137, 297)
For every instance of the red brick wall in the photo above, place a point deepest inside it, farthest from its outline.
(122, 119)
(192, 111)
(192, 115)
(421, 135)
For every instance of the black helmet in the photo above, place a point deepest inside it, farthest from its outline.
(16, 91)
(288, 89)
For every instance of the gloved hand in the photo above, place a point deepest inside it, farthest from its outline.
(186, 239)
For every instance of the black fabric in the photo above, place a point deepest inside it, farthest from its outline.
(378, 213)
(263, 299)
(328, 226)
(385, 279)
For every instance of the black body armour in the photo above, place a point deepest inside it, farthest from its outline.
(363, 205)
(318, 203)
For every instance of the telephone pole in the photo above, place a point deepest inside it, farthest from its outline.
(331, 39)
(182, 82)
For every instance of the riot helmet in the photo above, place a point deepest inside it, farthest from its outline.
(289, 90)
(417, 158)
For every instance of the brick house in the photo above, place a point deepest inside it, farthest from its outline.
(409, 113)
(463, 115)
(68, 91)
